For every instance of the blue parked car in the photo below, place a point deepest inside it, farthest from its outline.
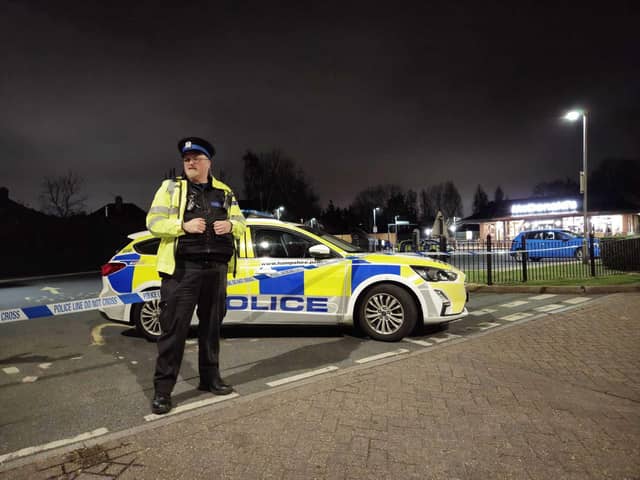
(550, 243)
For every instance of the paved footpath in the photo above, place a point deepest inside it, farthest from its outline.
(557, 397)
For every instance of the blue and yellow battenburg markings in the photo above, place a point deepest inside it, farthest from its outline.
(122, 280)
(362, 270)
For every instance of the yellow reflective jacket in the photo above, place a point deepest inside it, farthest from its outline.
(164, 220)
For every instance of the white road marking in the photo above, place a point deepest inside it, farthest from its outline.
(48, 446)
(134, 362)
(482, 311)
(120, 358)
(488, 325)
(53, 290)
(577, 300)
(544, 296)
(254, 340)
(190, 406)
(29, 379)
(295, 378)
(10, 370)
(44, 366)
(516, 303)
(448, 336)
(516, 316)
(379, 356)
(548, 308)
(77, 358)
(417, 342)
(191, 341)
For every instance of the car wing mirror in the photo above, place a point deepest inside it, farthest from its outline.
(319, 251)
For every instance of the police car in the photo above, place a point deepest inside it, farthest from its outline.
(295, 274)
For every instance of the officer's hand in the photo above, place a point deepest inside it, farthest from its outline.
(222, 226)
(195, 225)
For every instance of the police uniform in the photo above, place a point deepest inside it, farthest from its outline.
(193, 268)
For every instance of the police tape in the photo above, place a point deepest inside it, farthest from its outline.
(88, 304)
(501, 251)
(75, 306)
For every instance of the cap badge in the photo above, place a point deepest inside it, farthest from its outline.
(187, 144)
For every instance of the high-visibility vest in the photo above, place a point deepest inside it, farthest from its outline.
(164, 220)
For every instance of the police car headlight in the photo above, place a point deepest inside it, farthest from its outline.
(431, 274)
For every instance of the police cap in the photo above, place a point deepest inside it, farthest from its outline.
(198, 144)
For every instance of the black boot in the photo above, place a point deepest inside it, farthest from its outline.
(161, 403)
(216, 385)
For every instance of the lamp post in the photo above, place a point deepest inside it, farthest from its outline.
(375, 224)
(572, 116)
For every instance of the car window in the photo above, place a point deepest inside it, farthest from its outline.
(147, 247)
(342, 244)
(281, 244)
(563, 236)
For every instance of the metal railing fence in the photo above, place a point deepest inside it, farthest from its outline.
(505, 261)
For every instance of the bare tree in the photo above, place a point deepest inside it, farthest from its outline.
(431, 202)
(61, 195)
(392, 200)
(480, 200)
(451, 201)
(442, 197)
(272, 179)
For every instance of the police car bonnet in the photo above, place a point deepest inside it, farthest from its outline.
(196, 144)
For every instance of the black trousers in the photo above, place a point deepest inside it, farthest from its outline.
(204, 285)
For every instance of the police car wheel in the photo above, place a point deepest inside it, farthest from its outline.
(578, 253)
(518, 256)
(146, 317)
(387, 313)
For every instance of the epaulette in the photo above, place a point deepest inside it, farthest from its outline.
(172, 183)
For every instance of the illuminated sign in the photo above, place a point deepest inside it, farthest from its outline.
(544, 207)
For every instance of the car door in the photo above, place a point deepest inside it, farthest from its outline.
(287, 284)
(535, 244)
(566, 242)
(237, 285)
(550, 245)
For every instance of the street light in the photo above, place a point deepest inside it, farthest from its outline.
(375, 225)
(572, 116)
(279, 211)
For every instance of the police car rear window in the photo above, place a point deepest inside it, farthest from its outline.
(147, 247)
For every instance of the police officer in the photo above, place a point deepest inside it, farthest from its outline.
(197, 219)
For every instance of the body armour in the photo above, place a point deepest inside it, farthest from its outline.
(205, 201)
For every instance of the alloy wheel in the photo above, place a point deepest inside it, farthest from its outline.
(384, 313)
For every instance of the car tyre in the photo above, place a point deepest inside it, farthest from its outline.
(146, 317)
(578, 254)
(387, 313)
(518, 256)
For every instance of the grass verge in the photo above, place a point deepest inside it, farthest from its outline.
(552, 276)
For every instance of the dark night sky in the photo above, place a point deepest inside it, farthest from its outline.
(413, 94)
